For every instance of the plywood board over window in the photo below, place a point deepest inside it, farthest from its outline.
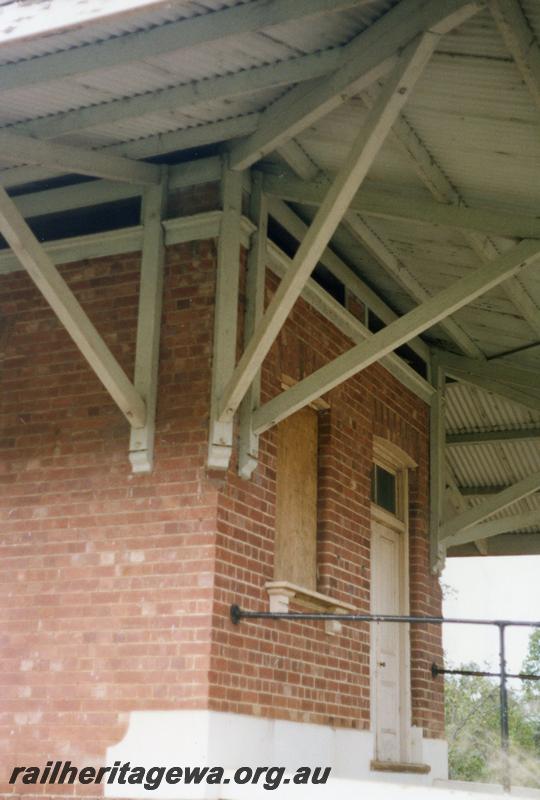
(295, 557)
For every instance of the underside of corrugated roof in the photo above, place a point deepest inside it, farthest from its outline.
(471, 112)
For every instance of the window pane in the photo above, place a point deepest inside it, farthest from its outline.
(385, 489)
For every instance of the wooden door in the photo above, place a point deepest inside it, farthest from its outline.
(390, 669)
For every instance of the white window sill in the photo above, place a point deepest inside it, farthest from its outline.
(282, 592)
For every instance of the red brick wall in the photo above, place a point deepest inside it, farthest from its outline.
(107, 578)
(297, 671)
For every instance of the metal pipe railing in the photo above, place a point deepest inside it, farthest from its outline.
(237, 614)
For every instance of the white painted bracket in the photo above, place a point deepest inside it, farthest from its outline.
(437, 464)
(248, 446)
(141, 443)
(225, 314)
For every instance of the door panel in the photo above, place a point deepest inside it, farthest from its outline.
(389, 662)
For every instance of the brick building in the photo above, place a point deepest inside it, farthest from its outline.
(190, 421)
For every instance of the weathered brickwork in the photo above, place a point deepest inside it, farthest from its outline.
(116, 588)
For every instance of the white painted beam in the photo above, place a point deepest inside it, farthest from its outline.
(141, 443)
(493, 370)
(337, 199)
(381, 203)
(188, 33)
(437, 466)
(25, 149)
(186, 95)
(485, 530)
(510, 544)
(348, 324)
(68, 310)
(248, 441)
(155, 145)
(367, 58)
(520, 41)
(498, 502)
(397, 333)
(528, 398)
(225, 316)
(406, 279)
(436, 181)
(488, 436)
(286, 217)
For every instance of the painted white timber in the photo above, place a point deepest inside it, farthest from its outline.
(397, 333)
(348, 324)
(437, 465)
(493, 370)
(485, 530)
(225, 316)
(337, 199)
(188, 33)
(367, 58)
(377, 202)
(298, 160)
(141, 443)
(123, 240)
(506, 544)
(520, 41)
(93, 193)
(186, 95)
(406, 279)
(286, 217)
(25, 149)
(54, 289)
(157, 144)
(498, 502)
(94, 245)
(204, 226)
(435, 180)
(492, 435)
(248, 441)
(528, 398)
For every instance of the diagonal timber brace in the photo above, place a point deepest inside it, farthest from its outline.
(56, 292)
(141, 444)
(352, 173)
(451, 530)
(397, 333)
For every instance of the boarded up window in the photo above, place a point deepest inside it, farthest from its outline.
(296, 501)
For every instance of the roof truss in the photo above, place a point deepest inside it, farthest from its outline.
(52, 286)
(365, 59)
(187, 33)
(335, 203)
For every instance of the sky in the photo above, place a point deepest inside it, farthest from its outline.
(490, 588)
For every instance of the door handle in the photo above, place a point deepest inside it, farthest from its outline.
(381, 664)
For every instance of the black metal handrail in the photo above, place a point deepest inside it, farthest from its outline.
(238, 614)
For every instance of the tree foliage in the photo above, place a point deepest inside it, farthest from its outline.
(473, 725)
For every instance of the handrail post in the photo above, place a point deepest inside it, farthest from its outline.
(505, 735)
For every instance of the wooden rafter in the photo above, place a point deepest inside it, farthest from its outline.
(335, 203)
(52, 286)
(186, 33)
(377, 202)
(397, 333)
(26, 150)
(473, 516)
(441, 188)
(365, 60)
